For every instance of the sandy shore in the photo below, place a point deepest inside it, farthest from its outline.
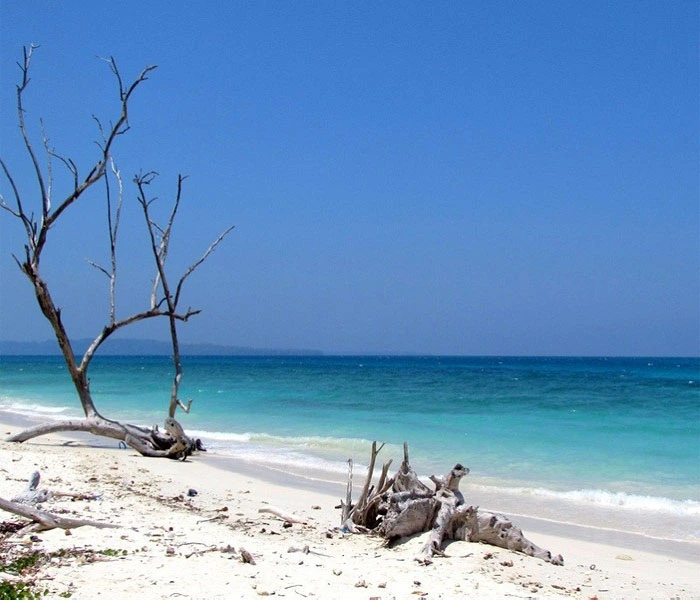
(171, 545)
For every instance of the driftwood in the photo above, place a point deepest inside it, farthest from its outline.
(33, 495)
(286, 516)
(150, 442)
(23, 505)
(44, 521)
(403, 506)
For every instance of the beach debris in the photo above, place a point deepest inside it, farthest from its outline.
(247, 557)
(403, 506)
(44, 521)
(286, 516)
(305, 550)
(199, 552)
(217, 517)
(32, 495)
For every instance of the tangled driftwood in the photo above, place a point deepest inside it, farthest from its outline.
(403, 506)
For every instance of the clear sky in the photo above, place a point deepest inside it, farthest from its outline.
(424, 177)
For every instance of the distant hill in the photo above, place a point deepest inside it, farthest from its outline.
(128, 347)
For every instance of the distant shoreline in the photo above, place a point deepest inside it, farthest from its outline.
(146, 347)
(161, 348)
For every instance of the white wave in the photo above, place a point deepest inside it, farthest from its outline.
(618, 500)
(293, 454)
(31, 408)
(243, 437)
(324, 443)
(288, 460)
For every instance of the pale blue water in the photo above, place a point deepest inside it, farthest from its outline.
(600, 434)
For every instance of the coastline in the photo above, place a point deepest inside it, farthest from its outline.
(172, 545)
(334, 486)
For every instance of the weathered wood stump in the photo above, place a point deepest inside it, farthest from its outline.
(403, 506)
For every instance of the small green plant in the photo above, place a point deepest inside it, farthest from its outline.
(20, 591)
(19, 565)
(113, 552)
(28, 565)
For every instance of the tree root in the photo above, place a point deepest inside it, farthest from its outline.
(404, 506)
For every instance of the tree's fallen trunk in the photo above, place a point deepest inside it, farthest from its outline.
(404, 506)
(150, 442)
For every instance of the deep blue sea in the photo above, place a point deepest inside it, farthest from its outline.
(606, 442)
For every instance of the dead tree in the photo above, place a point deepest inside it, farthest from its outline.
(403, 506)
(38, 220)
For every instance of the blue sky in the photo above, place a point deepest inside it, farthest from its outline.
(423, 177)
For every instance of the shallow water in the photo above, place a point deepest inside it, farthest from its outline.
(602, 442)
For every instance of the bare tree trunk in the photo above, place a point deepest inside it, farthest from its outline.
(164, 301)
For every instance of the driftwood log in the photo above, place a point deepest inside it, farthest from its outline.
(24, 504)
(403, 506)
(173, 443)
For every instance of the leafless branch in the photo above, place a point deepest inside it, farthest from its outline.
(99, 268)
(28, 52)
(111, 328)
(99, 168)
(29, 223)
(49, 166)
(204, 256)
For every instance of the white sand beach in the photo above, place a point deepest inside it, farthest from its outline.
(173, 546)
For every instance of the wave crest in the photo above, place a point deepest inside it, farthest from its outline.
(617, 500)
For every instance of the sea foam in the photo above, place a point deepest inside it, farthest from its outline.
(30, 408)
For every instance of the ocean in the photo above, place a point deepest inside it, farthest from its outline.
(608, 443)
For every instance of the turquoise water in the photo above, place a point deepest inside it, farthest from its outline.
(602, 433)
